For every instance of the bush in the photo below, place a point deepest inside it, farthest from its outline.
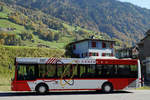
(26, 36)
(9, 39)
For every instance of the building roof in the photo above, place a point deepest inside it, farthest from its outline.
(90, 39)
(142, 41)
(128, 48)
(145, 37)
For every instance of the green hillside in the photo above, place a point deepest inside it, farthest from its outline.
(27, 27)
(8, 54)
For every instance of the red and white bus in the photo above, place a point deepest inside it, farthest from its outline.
(68, 74)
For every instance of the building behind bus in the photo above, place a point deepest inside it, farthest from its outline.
(144, 55)
(91, 48)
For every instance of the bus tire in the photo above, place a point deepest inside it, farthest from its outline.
(107, 87)
(41, 88)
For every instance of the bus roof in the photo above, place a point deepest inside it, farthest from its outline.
(28, 60)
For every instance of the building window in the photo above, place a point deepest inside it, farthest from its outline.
(85, 54)
(107, 54)
(93, 44)
(112, 54)
(74, 47)
(111, 45)
(103, 45)
(103, 54)
(97, 54)
(93, 54)
(82, 55)
(90, 53)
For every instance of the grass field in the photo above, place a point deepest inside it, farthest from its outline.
(5, 83)
(5, 12)
(144, 88)
(8, 24)
(3, 15)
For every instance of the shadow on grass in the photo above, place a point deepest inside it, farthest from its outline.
(9, 94)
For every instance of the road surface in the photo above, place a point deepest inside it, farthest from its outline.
(89, 95)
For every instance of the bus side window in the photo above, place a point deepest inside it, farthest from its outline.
(111, 70)
(60, 69)
(67, 73)
(123, 70)
(134, 71)
(51, 71)
(133, 68)
(83, 71)
(21, 72)
(74, 71)
(104, 71)
(107, 71)
(98, 71)
(47, 71)
(41, 71)
(91, 71)
(26, 72)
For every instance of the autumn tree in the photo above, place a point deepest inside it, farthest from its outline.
(26, 35)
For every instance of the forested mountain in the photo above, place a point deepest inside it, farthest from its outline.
(119, 20)
(28, 27)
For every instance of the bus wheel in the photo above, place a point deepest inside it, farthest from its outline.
(41, 88)
(107, 87)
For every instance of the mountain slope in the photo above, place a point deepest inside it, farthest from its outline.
(28, 27)
(120, 20)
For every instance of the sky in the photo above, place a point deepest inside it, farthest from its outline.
(141, 3)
